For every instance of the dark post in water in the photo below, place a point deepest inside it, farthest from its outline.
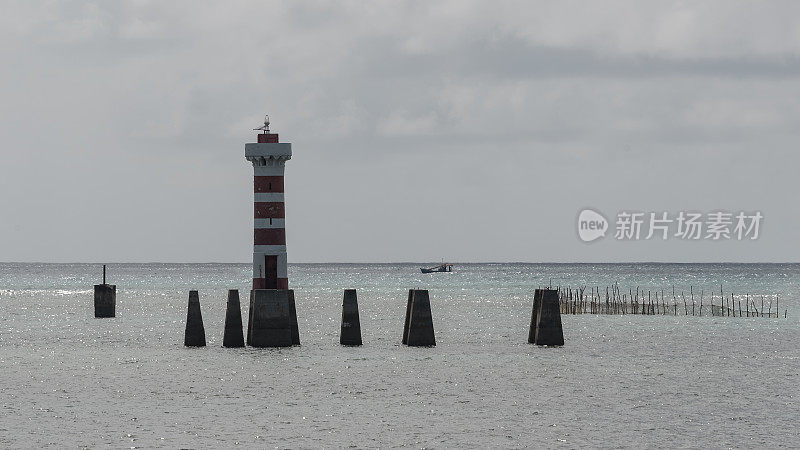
(408, 316)
(547, 318)
(273, 319)
(419, 320)
(105, 298)
(351, 324)
(537, 300)
(293, 318)
(249, 319)
(234, 336)
(195, 335)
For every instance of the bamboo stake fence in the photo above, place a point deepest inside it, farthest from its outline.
(654, 302)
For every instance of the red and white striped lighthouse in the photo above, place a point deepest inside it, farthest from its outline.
(269, 233)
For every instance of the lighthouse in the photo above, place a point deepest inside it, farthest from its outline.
(268, 157)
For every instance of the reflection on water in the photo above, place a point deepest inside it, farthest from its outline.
(620, 380)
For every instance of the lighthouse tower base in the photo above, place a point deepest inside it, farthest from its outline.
(272, 318)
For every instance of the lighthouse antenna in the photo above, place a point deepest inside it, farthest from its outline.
(265, 128)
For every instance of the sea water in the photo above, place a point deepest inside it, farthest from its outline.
(70, 380)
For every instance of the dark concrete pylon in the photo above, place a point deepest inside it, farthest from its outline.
(408, 316)
(537, 300)
(293, 318)
(546, 318)
(249, 318)
(105, 298)
(351, 323)
(419, 329)
(195, 335)
(273, 319)
(234, 336)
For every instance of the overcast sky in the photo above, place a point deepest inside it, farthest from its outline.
(469, 131)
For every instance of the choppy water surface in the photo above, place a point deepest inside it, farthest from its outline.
(621, 381)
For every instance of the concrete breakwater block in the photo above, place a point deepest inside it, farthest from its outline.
(547, 318)
(249, 319)
(293, 318)
(234, 336)
(408, 316)
(195, 335)
(537, 300)
(105, 300)
(419, 320)
(273, 318)
(351, 323)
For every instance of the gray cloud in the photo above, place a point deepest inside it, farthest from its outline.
(421, 130)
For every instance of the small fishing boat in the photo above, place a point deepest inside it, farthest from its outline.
(441, 268)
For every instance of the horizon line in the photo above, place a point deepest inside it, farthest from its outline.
(409, 262)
